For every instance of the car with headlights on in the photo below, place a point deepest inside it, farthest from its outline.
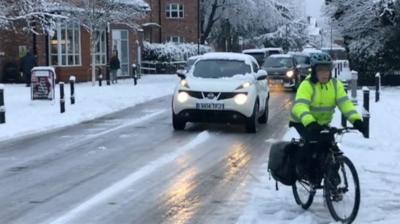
(282, 70)
(303, 64)
(222, 88)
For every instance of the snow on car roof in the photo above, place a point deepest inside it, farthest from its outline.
(333, 48)
(297, 53)
(229, 56)
(195, 57)
(311, 50)
(281, 56)
(261, 50)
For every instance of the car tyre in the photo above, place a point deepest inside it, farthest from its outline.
(264, 118)
(251, 124)
(178, 123)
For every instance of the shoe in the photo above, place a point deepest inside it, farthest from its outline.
(337, 195)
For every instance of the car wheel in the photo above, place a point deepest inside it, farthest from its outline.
(264, 118)
(178, 123)
(251, 124)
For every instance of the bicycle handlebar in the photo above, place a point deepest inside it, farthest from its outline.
(339, 131)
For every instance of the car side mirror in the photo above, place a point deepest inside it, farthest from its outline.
(181, 73)
(262, 74)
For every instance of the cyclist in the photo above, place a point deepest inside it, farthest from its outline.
(313, 109)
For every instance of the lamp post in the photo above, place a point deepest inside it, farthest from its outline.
(198, 27)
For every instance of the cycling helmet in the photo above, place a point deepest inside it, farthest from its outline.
(319, 59)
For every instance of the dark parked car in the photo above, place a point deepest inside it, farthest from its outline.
(282, 70)
(260, 54)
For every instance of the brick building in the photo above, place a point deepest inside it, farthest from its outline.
(68, 50)
(172, 20)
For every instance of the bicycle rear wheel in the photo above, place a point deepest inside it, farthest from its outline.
(343, 201)
(303, 193)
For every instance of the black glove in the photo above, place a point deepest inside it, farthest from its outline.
(314, 129)
(360, 126)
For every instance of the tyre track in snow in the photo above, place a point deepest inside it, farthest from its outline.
(202, 185)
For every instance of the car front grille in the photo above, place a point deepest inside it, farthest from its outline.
(212, 95)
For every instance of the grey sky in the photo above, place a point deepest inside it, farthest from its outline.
(314, 7)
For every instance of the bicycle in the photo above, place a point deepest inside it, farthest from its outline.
(336, 191)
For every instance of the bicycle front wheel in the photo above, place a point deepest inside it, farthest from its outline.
(303, 193)
(343, 200)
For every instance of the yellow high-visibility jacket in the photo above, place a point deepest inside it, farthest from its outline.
(317, 102)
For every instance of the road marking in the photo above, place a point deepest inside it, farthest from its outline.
(125, 183)
(133, 122)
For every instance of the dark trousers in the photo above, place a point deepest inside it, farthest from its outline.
(309, 158)
(27, 76)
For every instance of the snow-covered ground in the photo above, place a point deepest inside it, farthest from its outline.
(376, 160)
(25, 117)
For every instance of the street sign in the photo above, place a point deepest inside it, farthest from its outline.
(43, 83)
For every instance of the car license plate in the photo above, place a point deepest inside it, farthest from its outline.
(275, 81)
(210, 106)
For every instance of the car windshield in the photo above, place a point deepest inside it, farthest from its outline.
(189, 64)
(272, 52)
(275, 62)
(215, 69)
(302, 60)
(258, 56)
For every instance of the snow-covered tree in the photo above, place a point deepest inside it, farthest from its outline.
(225, 20)
(370, 29)
(35, 15)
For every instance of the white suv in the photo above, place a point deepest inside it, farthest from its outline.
(222, 88)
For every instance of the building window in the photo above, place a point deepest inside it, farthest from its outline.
(65, 45)
(176, 39)
(174, 11)
(101, 47)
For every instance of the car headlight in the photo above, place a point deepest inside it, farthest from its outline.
(244, 85)
(184, 83)
(183, 97)
(240, 99)
(290, 74)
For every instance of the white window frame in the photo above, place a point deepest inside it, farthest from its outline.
(101, 48)
(176, 39)
(175, 8)
(62, 29)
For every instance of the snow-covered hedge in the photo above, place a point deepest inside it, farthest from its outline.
(171, 51)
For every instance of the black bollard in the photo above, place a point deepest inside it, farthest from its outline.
(377, 86)
(100, 80)
(72, 85)
(62, 98)
(134, 74)
(2, 107)
(336, 72)
(366, 115)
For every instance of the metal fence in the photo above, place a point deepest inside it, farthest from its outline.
(156, 67)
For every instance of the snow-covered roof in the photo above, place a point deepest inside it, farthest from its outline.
(311, 50)
(229, 56)
(139, 3)
(281, 56)
(261, 50)
(333, 48)
(151, 24)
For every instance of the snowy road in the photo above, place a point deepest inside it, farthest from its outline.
(131, 167)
